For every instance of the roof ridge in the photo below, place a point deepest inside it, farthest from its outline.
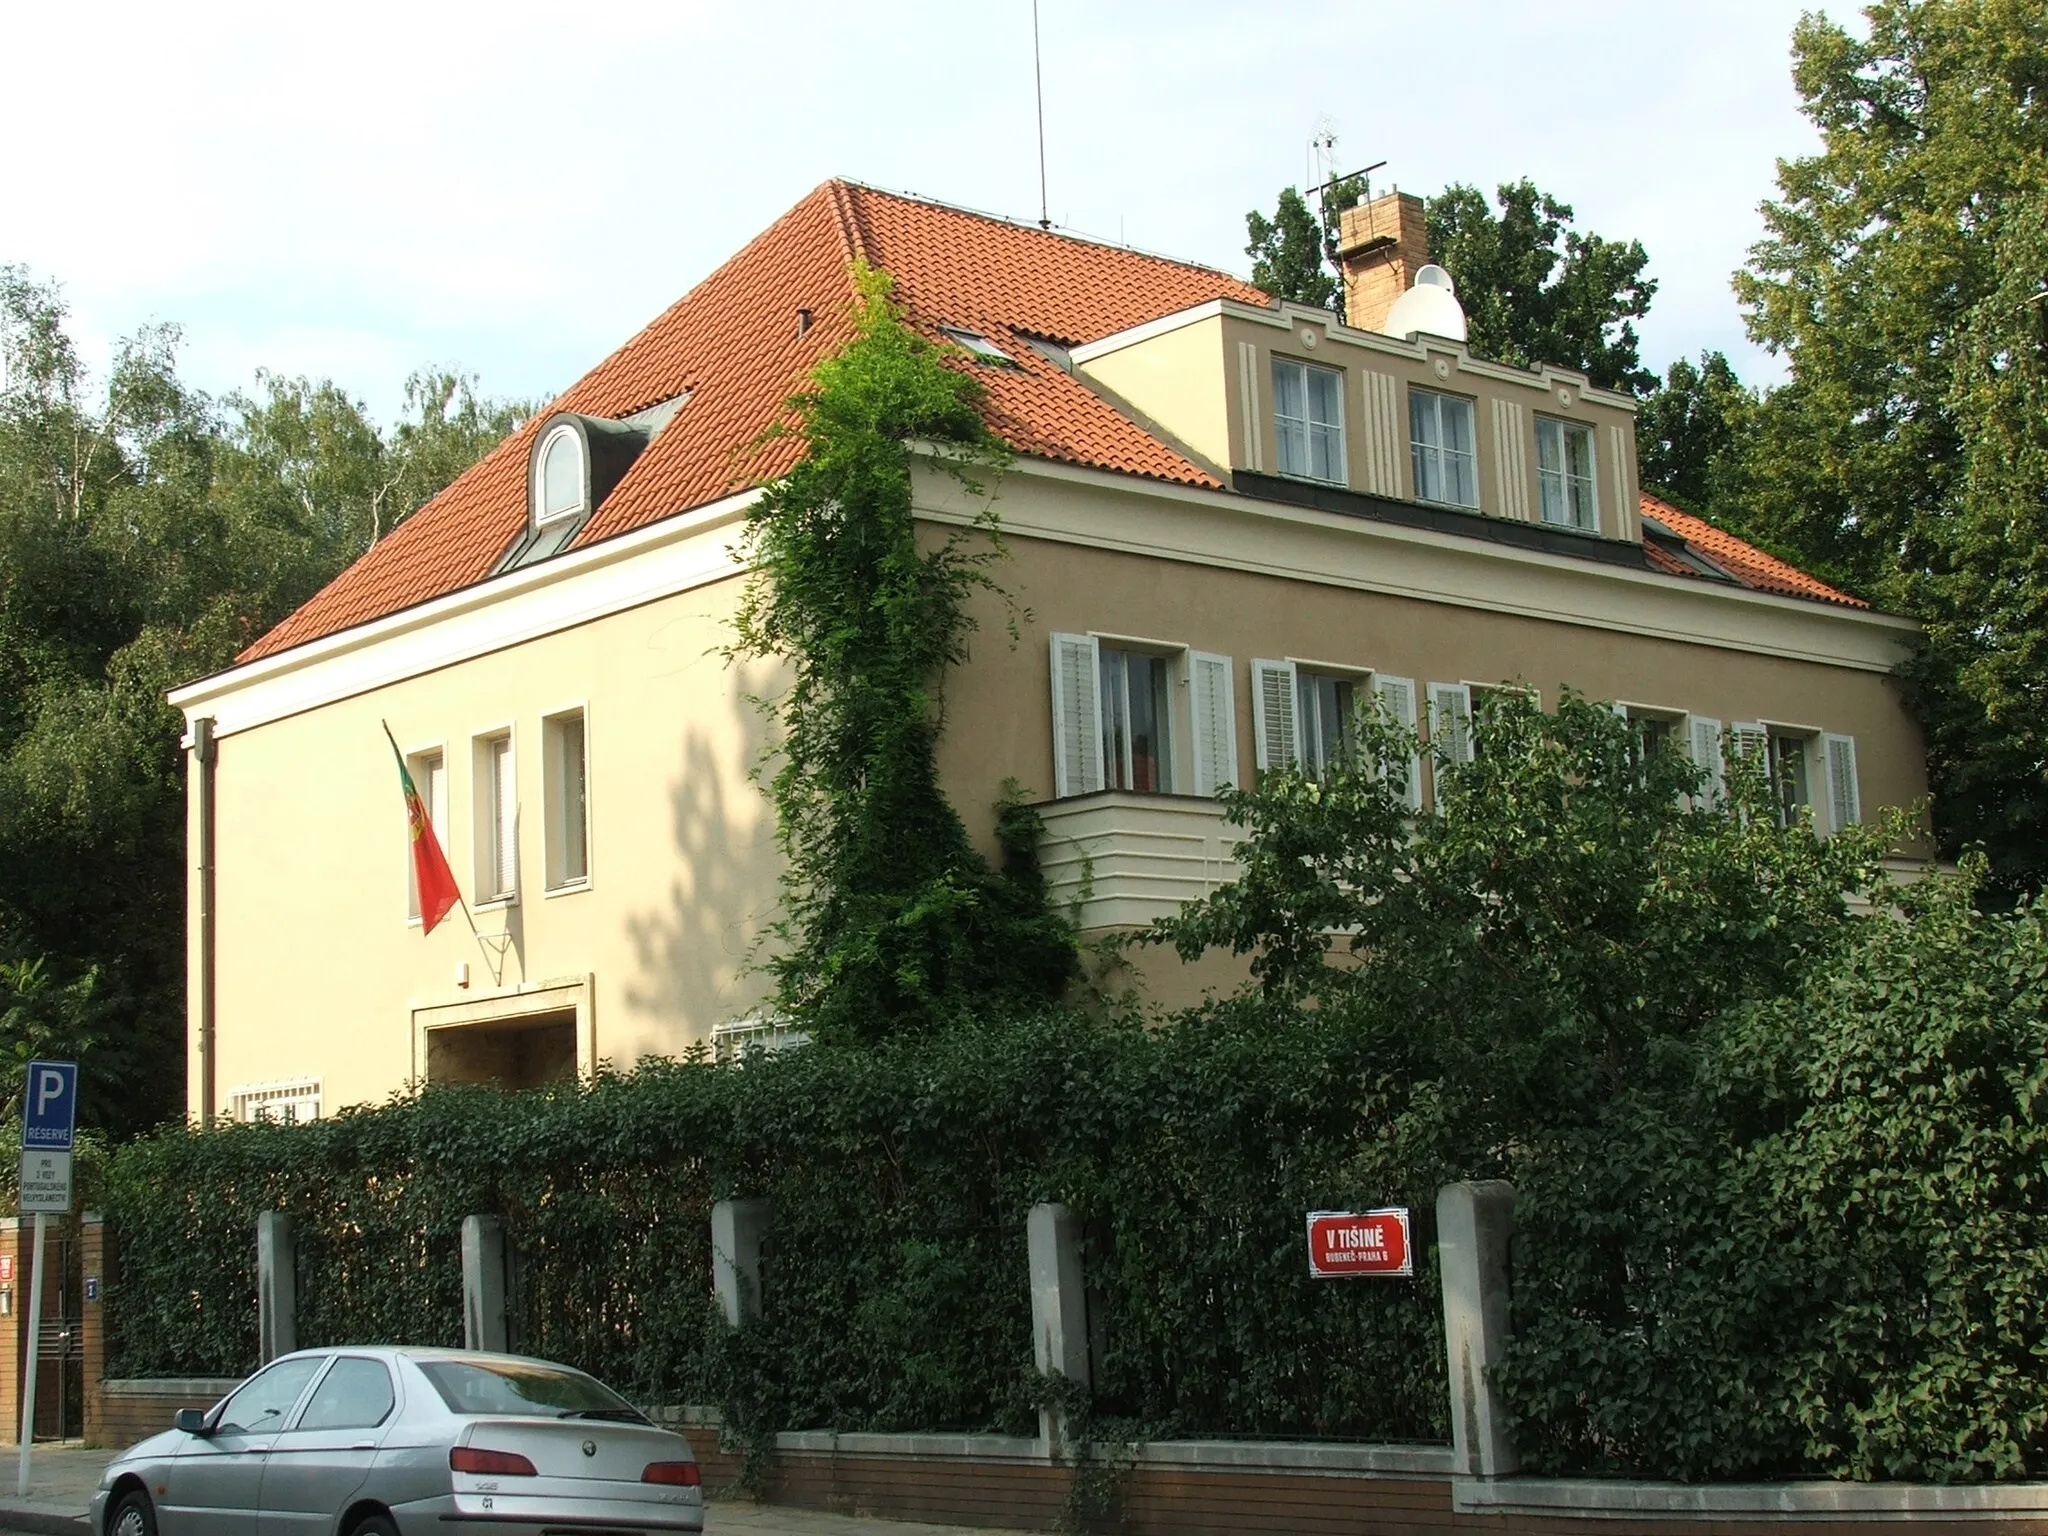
(851, 235)
(1033, 228)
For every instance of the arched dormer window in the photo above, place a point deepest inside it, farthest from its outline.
(561, 477)
(576, 461)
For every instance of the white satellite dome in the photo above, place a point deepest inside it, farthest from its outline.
(1431, 305)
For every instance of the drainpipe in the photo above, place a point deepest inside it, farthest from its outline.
(205, 754)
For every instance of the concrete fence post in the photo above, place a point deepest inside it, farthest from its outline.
(483, 1284)
(1474, 1223)
(1059, 1306)
(277, 1287)
(736, 1230)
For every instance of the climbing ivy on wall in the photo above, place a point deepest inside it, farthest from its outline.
(891, 919)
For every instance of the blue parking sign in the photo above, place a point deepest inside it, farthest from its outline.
(49, 1111)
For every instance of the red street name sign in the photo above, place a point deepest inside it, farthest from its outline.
(1342, 1244)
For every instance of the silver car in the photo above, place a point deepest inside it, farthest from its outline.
(400, 1442)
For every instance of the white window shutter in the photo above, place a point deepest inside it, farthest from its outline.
(505, 818)
(1845, 803)
(1397, 697)
(1749, 747)
(1276, 739)
(1076, 715)
(1703, 739)
(1450, 721)
(1212, 704)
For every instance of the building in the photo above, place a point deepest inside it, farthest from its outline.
(1229, 520)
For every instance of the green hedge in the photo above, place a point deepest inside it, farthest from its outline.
(1820, 1244)
(895, 1275)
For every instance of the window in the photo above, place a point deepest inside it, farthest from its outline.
(1845, 798)
(1440, 439)
(524, 1388)
(267, 1398)
(1137, 721)
(1564, 466)
(289, 1103)
(1790, 775)
(1308, 416)
(760, 1033)
(1326, 715)
(979, 346)
(355, 1394)
(1307, 718)
(497, 818)
(429, 772)
(562, 486)
(1450, 723)
(566, 773)
(1115, 725)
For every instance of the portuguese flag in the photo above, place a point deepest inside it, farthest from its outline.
(436, 881)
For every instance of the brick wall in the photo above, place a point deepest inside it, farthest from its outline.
(134, 1410)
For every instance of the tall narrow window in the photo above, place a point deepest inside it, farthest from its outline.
(1564, 464)
(497, 832)
(1137, 722)
(429, 772)
(561, 477)
(566, 765)
(1440, 445)
(1791, 775)
(1324, 716)
(1308, 418)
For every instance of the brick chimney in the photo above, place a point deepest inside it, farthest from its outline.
(1381, 245)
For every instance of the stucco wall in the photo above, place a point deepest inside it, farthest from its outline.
(320, 974)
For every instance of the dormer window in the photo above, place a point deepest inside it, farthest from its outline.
(977, 345)
(577, 461)
(562, 487)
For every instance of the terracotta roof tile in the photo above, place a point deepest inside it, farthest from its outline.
(732, 344)
(1745, 562)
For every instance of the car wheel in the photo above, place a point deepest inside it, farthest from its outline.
(132, 1516)
(374, 1525)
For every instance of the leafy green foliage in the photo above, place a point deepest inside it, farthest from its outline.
(146, 535)
(1816, 1243)
(895, 1277)
(1903, 459)
(891, 918)
(1691, 433)
(1294, 253)
(1536, 290)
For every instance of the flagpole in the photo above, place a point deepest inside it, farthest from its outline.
(497, 969)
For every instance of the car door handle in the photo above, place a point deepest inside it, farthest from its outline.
(364, 1445)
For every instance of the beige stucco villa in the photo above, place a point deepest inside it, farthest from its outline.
(1229, 521)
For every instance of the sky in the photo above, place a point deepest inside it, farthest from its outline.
(515, 188)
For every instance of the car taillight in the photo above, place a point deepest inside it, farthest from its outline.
(469, 1458)
(677, 1474)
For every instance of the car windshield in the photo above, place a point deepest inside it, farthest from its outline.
(513, 1386)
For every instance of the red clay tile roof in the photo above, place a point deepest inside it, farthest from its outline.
(732, 344)
(1745, 562)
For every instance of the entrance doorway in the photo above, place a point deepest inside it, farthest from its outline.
(526, 1052)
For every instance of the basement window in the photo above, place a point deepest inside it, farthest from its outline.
(979, 345)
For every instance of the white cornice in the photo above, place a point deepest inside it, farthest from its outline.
(1222, 528)
(672, 555)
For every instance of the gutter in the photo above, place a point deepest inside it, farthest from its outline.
(205, 756)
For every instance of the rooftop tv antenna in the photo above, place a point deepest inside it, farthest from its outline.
(1038, 80)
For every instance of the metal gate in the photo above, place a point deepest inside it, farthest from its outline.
(60, 1368)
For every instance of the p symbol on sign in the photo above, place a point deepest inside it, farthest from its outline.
(49, 1085)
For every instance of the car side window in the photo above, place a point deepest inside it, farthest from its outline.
(263, 1401)
(356, 1394)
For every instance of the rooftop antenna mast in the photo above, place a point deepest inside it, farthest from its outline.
(1038, 80)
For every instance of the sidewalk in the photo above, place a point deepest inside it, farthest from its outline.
(62, 1479)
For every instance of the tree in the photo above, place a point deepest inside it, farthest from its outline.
(146, 536)
(1534, 289)
(1900, 277)
(1530, 299)
(1294, 253)
(1692, 432)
